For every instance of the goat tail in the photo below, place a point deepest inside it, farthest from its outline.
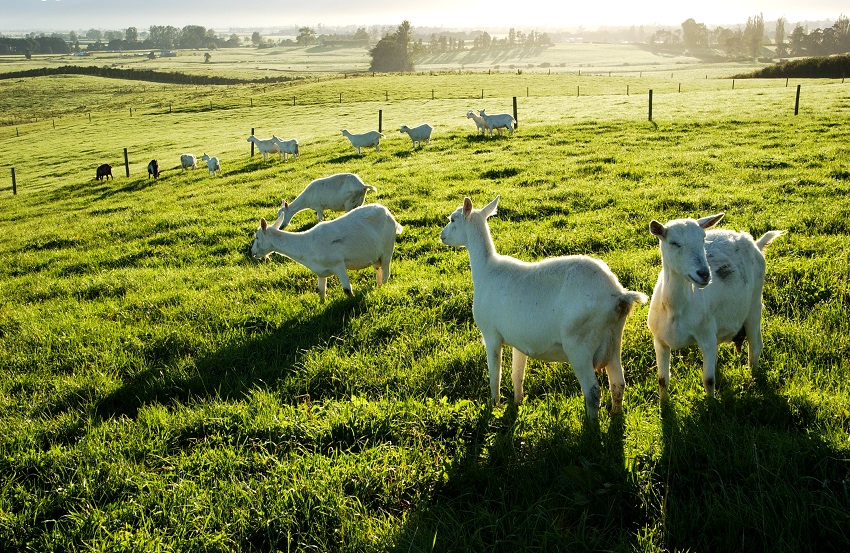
(627, 301)
(398, 228)
(767, 238)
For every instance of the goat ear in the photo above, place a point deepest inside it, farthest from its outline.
(710, 221)
(657, 229)
(263, 223)
(490, 209)
(467, 207)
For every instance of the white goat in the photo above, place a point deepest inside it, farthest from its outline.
(339, 192)
(265, 147)
(560, 309)
(498, 121)
(212, 163)
(188, 160)
(370, 138)
(709, 291)
(418, 134)
(480, 124)
(287, 147)
(361, 238)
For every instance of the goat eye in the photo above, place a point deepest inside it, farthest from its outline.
(675, 244)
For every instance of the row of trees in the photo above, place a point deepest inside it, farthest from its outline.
(749, 41)
(397, 51)
(34, 45)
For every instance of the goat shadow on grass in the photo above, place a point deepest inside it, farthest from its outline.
(731, 464)
(266, 357)
(346, 158)
(511, 490)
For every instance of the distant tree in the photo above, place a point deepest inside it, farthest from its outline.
(207, 57)
(694, 35)
(94, 34)
(754, 36)
(72, 37)
(393, 52)
(164, 38)
(131, 34)
(306, 36)
(779, 38)
(841, 32)
(256, 38)
(362, 36)
(798, 37)
(234, 41)
(193, 36)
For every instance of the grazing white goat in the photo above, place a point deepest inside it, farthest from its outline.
(498, 121)
(188, 160)
(418, 134)
(569, 308)
(709, 291)
(339, 192)
(363, 237)
(265, 147)
(480, 124)
(370, 138)
(212, 163)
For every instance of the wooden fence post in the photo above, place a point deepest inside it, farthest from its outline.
(252, 142)
(797, 101)
(516, 120)
(380, 120)
(126, 163)
(650, 104)
(14, 183)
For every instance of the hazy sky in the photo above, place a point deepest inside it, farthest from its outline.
(49, 15)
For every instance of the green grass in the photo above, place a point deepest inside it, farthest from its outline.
(160, 390)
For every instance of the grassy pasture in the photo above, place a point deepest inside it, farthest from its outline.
(316, 60)
(160, 390)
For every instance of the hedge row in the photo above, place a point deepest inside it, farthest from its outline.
(139, 75)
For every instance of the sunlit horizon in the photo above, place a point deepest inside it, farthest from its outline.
(65, 15)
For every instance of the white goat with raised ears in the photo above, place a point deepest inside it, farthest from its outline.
(498, 121)
(369, 138)
(213, 164)
(363, 237)
(709, 291)
(560, 309)
(265, 146)
(287, 147)
(339, 192)
(418, 134)
(480, 124)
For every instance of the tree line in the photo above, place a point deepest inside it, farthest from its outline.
(752, 42)
(397, 51)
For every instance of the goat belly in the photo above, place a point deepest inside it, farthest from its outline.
(551, 352)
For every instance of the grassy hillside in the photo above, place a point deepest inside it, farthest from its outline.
(161, 390)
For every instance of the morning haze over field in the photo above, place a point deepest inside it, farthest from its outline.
(49, 15)
(161, 390)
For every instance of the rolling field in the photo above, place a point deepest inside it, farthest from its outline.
(162, 391)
